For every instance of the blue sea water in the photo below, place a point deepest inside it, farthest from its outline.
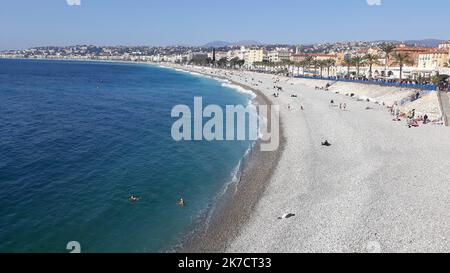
(78, 138)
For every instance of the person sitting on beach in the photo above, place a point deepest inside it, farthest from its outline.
(397, 114)
(326, 143)
(413, 123)
(411, 114)
(425, 119)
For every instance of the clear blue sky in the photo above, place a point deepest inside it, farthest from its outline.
(26, 23)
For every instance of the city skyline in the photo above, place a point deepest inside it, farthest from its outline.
(159, 23)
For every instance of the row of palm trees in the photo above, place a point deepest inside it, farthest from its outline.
(357, 61)
(370, 59)
(308, 62)
(222, 63)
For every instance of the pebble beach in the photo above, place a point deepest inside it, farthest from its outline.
(380, 187)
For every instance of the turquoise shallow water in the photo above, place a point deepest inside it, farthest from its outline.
(77, 139)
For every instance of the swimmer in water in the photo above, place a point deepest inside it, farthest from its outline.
(181, 203)
(134, 198)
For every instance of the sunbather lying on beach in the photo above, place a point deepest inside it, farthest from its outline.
(413, 123)
(286, 216)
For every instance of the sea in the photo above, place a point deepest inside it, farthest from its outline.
(77, 139)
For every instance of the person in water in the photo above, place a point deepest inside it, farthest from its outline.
(134, 198)
(181, 203)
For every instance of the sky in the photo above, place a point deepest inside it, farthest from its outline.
(28, 23)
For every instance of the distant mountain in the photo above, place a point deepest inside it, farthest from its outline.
(424, 42)
(247, 43)
(216, 44)
(225, 44)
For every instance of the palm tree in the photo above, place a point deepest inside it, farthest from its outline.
(303, 65)
(321, 64)
(315, 64)
(307, 62)
(387, 49)
(329, 63)
(222, 62)
(240, 63)
(371, 59)
(401, 59)
(348, 62)
(233, 62)
(298, 65)
(287, 64)
(358, 61)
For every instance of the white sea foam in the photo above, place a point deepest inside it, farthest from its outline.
(240, 89)
(262, 121)
(195, 73)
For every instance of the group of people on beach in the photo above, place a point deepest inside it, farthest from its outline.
(411, 119)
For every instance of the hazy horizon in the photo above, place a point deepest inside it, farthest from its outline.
(231, 42)
(176, 22)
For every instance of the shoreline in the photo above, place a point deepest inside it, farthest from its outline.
(231, 210)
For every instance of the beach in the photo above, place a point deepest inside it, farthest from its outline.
(380, 187)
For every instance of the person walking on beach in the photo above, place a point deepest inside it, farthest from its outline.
(397, 113)
(425, 119)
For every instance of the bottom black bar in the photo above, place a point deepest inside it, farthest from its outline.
(221, 262)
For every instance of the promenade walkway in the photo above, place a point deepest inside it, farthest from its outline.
(445, 103)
